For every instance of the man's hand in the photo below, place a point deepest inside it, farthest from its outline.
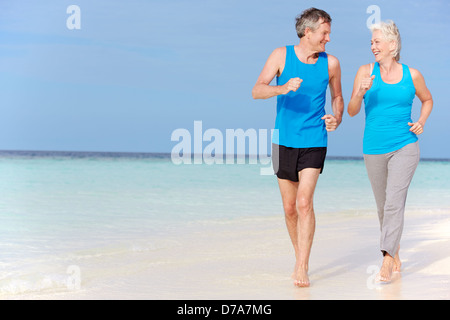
(331, 123)
(292, 85)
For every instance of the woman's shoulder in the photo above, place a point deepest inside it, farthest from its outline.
(366, 69)
(414, 72)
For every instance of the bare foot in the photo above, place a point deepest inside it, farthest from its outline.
(301, 277)
(397, 262)
(385, 274)
(295, 271)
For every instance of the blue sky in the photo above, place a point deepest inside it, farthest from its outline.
(137, 70)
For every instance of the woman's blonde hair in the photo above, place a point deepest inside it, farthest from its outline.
(390, 33)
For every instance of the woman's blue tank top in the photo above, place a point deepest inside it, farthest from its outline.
(298, 123)
(388, 111)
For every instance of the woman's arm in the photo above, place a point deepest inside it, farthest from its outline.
(362, 83)
(425, 97)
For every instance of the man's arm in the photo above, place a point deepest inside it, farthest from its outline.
(337, 101)
(273, 67)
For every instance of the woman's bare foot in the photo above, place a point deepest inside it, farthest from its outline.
(385, 274)
(397, 262)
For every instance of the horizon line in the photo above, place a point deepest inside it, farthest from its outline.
(72, 153)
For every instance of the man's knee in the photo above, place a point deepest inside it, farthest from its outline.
(304, 206)
(290, 209)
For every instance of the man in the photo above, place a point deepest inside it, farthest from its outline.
(300, 138)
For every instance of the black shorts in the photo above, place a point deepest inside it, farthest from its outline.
(290, 161)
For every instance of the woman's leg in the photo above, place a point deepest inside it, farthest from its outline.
(401, 167)
(390, 176)
(376, 166)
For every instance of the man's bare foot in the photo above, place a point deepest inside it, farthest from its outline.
(295, 271)
(301, 277)
(385, 274)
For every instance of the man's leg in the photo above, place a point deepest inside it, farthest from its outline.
(288, 190)
(300, 220)
(306, 222)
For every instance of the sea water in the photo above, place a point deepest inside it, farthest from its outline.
(64, 212)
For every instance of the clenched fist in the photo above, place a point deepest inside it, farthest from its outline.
(292, 85)
(331, 123)
(366, 84)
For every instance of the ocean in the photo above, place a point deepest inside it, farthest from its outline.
(63, 213)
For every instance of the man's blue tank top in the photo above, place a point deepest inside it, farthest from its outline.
(298, 123)
(388, 111)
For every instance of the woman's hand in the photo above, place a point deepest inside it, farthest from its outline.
(366, 84)
(416, 127)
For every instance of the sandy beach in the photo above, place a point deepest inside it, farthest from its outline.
(252, 259)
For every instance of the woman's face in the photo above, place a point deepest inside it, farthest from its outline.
(381, 48)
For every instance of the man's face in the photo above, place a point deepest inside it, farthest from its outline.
(319, 38)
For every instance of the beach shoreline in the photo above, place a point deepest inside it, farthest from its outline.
(252, 259)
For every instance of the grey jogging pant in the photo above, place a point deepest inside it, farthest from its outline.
(390, 175)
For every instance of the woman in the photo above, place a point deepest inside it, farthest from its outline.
(390, 146)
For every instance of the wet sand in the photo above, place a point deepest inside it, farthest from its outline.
(253, 259)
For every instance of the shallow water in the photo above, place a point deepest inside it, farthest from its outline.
(61, 213)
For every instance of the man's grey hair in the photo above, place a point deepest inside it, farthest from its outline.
(310, 18)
